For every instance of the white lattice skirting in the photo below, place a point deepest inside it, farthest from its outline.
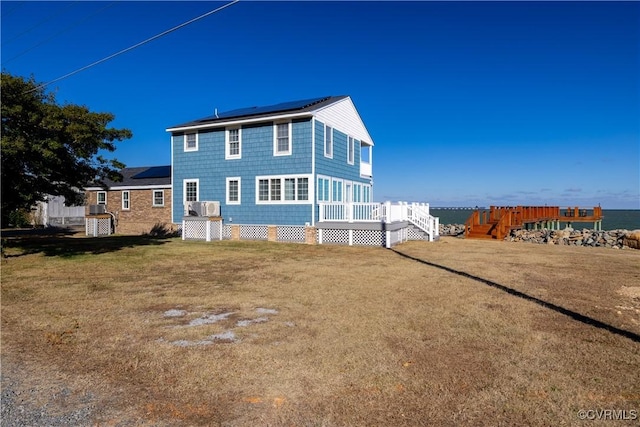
(198, 229)
(254, 232)
(98, 226)
(290, 233)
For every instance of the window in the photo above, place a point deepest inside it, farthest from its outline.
(275, 193)
(323, 189)
(158, 197)
(191, 190)
(303, 189)
(289, 188)
(263, 190)
(102, 197)
(350, 150)
(328, 141)
(282, 189)
(282, 140)
(126, 200)
(191, 142)
(366, 193)
(357, 192)
(233, 191)
(365, 153)
(336, 186)
(233, 147)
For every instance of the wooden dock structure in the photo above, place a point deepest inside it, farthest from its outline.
(498, 221)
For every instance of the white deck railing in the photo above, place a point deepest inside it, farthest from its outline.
(416, 213)
(350, 212)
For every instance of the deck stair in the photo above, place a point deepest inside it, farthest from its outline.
(498, 221)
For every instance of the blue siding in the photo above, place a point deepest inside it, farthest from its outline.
(337, 166)
(209, 165)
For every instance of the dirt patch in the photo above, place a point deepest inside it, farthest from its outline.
(630, 292)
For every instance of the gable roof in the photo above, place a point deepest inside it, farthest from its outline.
(145, 177)
(301, 107)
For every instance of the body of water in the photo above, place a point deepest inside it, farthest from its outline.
(628, 219)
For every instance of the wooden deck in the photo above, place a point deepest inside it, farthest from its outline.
(498, 221)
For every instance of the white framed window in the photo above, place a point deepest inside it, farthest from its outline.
(191, 141)
(101, 197)
(283, 189)
(233, 191)
(275, 189)
(126, 200)
(357, 192)
(328, 141)
(366, 193)
(191, 190)
(158, 198)
(233, 145)
(350, 150)
(289, 189)
(336, 190)
(282, 139)
(323, 190)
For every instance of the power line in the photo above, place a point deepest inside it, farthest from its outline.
(75, 24)
(46, 19)
(164, 33)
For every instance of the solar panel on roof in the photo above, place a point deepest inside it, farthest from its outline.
(250, 111)
(154, 172)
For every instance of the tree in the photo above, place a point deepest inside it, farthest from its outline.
(49, 148)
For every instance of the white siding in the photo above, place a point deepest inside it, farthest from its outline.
(344, 117)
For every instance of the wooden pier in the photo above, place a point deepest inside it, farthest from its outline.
(498, 221)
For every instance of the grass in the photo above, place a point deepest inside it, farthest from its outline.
(456, 332)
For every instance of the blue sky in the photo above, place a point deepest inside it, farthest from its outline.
(468, 103)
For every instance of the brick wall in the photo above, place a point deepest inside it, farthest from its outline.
(142, 216)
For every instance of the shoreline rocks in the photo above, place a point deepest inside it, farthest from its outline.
(451, 229)
(615, 239)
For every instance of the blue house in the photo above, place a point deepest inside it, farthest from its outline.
(273, 165)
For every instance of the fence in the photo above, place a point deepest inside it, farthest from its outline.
(352, 234)
(387, 213)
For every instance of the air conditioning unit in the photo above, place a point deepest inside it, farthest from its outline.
(97, 209)
(210, 208)
(202, 209)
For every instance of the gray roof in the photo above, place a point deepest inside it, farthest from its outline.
(301, 106)
(142, 176)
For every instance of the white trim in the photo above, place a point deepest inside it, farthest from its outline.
(129, 187)
(348, 195)
(330, 155)
(340, 182)
(128, 208)
(188, 149)
(98, 198)
(351, 149)
(236, 202)
(275, 139)
(184, 189)
(228, 156)
(329, 191)
(370, 188)
(282, 200)
(264, 119)
(153, 198)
